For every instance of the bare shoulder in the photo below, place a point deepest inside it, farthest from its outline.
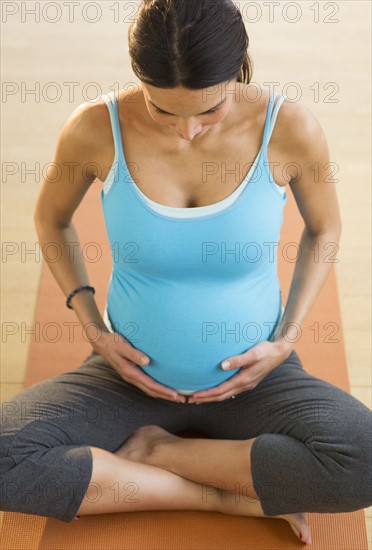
(95, 117)
(91, 122)
(84, 131)
(74, 161)
(299, 123)
(88, 132)
(299, 136)
(295, 122)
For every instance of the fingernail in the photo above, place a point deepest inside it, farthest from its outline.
(226, 364)
(144, 360)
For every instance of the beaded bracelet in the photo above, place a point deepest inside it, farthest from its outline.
(70, 296)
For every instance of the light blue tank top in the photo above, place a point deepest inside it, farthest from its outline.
(191, 287)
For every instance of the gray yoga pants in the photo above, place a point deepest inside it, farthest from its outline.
(312, 451)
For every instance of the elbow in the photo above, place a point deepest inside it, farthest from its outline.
(39, 220)
(43, 225)
(40, 227)
(338, 229)
(38, 214)
(43, 220)
(36, 217)
(334, 231)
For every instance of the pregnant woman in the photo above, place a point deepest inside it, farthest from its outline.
(194, 165)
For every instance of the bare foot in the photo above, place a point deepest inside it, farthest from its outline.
(233, 505)
(140, 445)
(299, 526)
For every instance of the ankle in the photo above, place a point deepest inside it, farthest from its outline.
(156, 455)
(160, 452)
(213, 498)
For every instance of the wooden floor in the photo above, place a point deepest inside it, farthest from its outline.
(321, 59)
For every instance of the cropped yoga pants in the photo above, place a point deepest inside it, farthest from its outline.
(312, 451)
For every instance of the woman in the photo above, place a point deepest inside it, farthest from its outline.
(194, 283)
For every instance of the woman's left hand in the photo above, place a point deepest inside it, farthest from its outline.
(255, 364)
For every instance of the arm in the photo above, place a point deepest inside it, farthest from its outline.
(60, 194)
(80, 142)
(316, 198)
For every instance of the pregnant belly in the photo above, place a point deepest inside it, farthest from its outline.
(188, 335)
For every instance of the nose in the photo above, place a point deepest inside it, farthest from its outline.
(188, 129)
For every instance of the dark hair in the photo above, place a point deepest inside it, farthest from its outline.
(190, 43)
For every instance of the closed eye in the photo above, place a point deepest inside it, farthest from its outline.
(168, 114)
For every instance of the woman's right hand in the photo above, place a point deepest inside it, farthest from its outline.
(125, 358)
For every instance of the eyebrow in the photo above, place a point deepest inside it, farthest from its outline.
(204, 113)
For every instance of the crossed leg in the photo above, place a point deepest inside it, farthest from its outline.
(196, 459)
(293, 432)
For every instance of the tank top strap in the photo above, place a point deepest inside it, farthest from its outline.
(112, 106)
(272, 113)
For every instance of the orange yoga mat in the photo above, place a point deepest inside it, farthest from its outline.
(61, 348)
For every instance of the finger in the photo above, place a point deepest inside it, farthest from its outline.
(237, 362)
(246, 359)
(157, 393)
(223, 389)
(222, 397)
(150, 386)
(135, 355)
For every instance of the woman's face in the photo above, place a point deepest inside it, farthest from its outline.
(189, 112)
